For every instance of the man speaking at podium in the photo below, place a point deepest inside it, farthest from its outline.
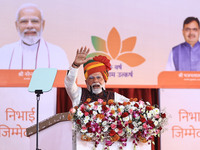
(31, 51)
(96, 75)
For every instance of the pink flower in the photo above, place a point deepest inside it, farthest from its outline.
(126, 123)
(157, 131)
(84, 127)
(72, 110)
(100, 101)
(120, 131)
(119, 113)
(135, 115)
(124, 143)
(113, 126)
(130, 111)
(95, 107)
(157, 116)
(144, 125)
(108, 114)
(141, 102)
(108, 143)
(82, 107)
(86, 114)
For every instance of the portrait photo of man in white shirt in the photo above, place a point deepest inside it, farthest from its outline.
(32, 51)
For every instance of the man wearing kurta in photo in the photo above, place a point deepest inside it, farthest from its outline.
(96, 75)
(31, 51)
(186, 56)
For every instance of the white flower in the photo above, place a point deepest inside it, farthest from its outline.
(87, 118)
(104, 123)
(128, 130)
(131, 117)
(155, 123)
(110, 120)
(83, 131)
(108, 114)
(105, 128)
(141, 106)
(126, 118)
(134, 108)
(99, 108)
(160, 119)
(149, 115)
(135, 130)
(140, 128)
(138, 117)
(135, 124)
(98, 120)
(115, 114)
(80, 114)
(133, 102)
(113, 108)
(94, 113)
(148, 103)
(151, 112)
(90, 134)
(92, 105)
(121, 107)
(121, 134)
(143, 110)
(156, 111)
(116, 129)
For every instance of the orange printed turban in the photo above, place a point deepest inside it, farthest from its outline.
(97, 64)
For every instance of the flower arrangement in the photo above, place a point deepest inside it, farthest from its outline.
(109, 122)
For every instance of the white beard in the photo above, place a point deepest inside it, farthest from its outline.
(96, 90)
(30, 40)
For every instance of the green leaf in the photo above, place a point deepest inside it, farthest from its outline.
(99, 44)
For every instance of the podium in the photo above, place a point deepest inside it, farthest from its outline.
(56, 133)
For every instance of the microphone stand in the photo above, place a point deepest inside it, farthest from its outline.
(37, 92)
(42, 81)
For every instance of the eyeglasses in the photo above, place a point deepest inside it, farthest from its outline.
(90, 78)
(191, 29)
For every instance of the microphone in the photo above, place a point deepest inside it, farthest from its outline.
(104, 93)
(91, 89)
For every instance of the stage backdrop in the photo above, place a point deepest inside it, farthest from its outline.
(136, 35)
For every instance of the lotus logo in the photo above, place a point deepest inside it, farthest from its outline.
(115, 48)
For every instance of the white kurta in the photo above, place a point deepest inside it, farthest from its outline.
(75, 92)
(170, 63)
(44, 55)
